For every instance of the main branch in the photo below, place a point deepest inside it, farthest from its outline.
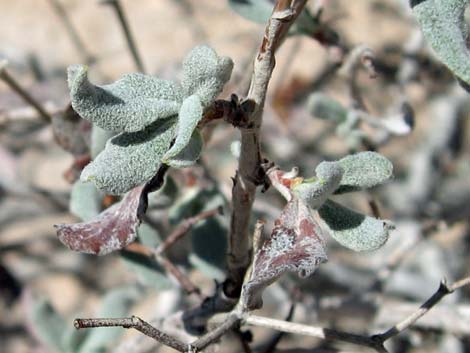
(248, 175)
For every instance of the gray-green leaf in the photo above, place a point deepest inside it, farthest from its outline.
(190, 114)
(364, 170)
(354, 230)
(254, 10)
(129, 104)
(85, 200)
(130, 159)
(315, 193)
(190, 154)
(205, 73)
(327, 108)
(444, 27)
(47, 324)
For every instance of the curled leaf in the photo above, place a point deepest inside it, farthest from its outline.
(205, 73)
(190, 114)
(113, 229)
(364, 170)
(315, 193)
(296, 244)
(129, 104)
(443, 25)
(130, 159)
(354, 230)
(190, 153)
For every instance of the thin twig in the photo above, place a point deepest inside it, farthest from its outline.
(360, 55)
(186, 284)
(271, 347)
(443, 290)
(72, 31)
(116, 5)
(307, 330)
(184, 227)
(247, 177)
(375, 341)
(15, 86)
(212, 336)
(396, 258)
(137, 324)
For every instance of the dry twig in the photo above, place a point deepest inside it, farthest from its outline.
(375, 341)
(15, 86)
(247, 177)
(117, 7)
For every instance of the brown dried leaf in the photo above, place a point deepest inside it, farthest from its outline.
(111, 230)
(296, 245)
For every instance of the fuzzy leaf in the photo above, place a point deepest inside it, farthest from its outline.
(111, 230)
(47, 324)
(327, 108)
(99, 137)
(364, 170)
(190, 154)
(116, 303)
(130, 159)
(190, 114)
(315, 193)
(257, 11)
(129, 104)
(205, 73)
(354, 230)
(296, 244)
(444, 27)
(85, 200)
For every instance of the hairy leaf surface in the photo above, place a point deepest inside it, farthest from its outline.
(354, 230)
(444, 27)
(296, 244)
(111, 230)
(130, 159)
(189, 154)
(188, 118)
(315, 193)
(129, 104)
(364, 170)
(205, 73)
